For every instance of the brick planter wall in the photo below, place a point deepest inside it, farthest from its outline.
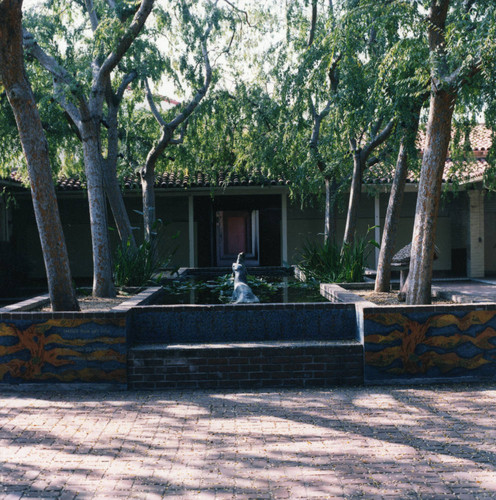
(65, 346)
(242, 366)
(244, 346)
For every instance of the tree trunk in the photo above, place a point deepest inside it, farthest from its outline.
(438, 134)
(103, 285)
(116, 202)
(330, 211)
(360, 158)
(148, 193)
(383, 278)
(429, 192)
(147, 175)
(355, 192)
(111, 183)
(21, 98)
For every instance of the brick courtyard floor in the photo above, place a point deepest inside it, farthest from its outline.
(374, 442)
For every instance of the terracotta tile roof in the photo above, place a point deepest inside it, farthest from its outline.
(459, 172)
(179, 180)
(480, 140)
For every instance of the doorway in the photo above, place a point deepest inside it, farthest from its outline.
(237, 231)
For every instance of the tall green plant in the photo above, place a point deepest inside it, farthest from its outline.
(329, 263)
(143, 265)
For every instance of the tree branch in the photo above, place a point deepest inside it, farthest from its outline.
(90, 7)
(153, 108)
(124, 43)
(333, 74)
(124, 84)
(375, 128)
(373, 161)
(455, 79)
(60, 74)
(69, 107)
(379, 139)
(313, 23)
(313, 111)
(240, 11)
(180, 139)
(48, 62)
(201, 93)
(169, 128)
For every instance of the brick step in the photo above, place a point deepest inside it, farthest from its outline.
(245, 365)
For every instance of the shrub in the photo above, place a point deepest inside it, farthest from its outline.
(329, 263)
(142, 266)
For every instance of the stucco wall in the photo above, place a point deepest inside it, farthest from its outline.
(452, 229)
(75, 220)
(490, 233)
(309, 224)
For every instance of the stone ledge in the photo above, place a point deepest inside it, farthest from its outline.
(141, 299)
(245, 345)
(336, 293)
(27, 305)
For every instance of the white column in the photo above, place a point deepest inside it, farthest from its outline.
(377, 224)
(476, 262)
(284, 228)
(191, 231)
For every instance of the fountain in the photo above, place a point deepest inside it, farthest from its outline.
(242, 293)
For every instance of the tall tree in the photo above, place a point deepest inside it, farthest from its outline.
(407, 143)
(85, 109)
(406, 65)
(471, 26)
(317, 117)
(332, 64)
(21, 98)
(168, 136)
(362, 152)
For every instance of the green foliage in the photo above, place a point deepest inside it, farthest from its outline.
(264, 287)
(143, 266)
(135, 267)
(328, 263)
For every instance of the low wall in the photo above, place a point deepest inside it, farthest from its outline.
(251, 345)
(429, 343)
(243, 346)
(245, 365)
(63, 347)
(241, 323)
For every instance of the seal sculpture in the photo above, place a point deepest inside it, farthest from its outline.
(242, 293)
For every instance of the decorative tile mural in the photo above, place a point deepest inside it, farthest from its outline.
(63, 350)
(431, 344)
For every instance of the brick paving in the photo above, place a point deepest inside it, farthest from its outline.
(373, 442)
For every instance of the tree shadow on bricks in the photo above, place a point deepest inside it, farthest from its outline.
(281, 444)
